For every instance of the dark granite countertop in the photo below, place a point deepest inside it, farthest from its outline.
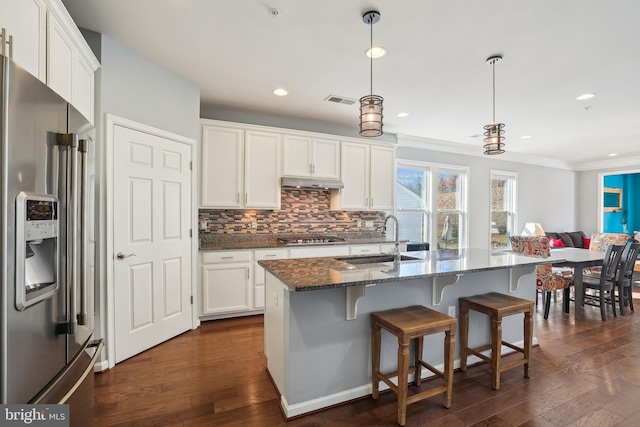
(231, 243)
(308, 274)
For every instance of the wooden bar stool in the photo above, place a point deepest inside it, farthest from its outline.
(412, 323)
(496, 306)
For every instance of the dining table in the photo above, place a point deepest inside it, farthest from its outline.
(578, 259)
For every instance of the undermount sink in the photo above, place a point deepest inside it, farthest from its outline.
(376, 259)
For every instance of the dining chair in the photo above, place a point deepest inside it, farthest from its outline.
(625, 275)
(602, 241)
(603, 285)
(546, 282)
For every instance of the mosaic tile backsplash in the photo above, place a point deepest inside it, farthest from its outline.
(302, 211)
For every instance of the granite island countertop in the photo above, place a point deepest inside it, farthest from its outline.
(308, 274)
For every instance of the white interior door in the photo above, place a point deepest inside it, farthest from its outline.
(151, 242)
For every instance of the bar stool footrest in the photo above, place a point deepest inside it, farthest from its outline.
(425, 394)
(432, 368)
(513, 347)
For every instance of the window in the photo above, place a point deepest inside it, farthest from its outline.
(412, 189)
(451, 185)
(431, 204)
(503, 208)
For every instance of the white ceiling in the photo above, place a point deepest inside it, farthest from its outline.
(553, 51)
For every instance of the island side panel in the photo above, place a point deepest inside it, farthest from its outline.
(328, 359)
(276, 326)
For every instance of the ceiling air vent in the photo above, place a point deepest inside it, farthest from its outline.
(340, 100)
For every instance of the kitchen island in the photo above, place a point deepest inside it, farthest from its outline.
(317, 327)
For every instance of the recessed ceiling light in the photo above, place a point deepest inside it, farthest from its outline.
(376, 52)
(525, 137)
(280, 92)
(585, 96)
(612, 154)
(402, 114)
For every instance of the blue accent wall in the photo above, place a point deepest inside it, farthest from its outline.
(630, 185)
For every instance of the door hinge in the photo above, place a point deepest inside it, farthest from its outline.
(191, 299)
(190, 166)
(191, 232)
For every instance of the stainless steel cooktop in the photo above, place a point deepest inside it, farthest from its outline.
(310, 239)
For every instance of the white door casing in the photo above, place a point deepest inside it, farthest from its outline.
(152, 218)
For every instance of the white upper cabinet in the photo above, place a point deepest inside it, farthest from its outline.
(61, 58)
(383, 178)
(368, 174)
(310, 157)
(240, 169)
(24, 20)
(222, 167)
(355, 176)
(83, 87)
(47, 43)
(262, 170)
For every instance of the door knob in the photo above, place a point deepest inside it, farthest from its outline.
(121, 255)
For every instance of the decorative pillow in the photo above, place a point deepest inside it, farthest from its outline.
(552, 235)
(576, 238)
(556, 243)
(566, 239)
(586, 242)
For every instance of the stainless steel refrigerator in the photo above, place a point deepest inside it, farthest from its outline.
(47, 278)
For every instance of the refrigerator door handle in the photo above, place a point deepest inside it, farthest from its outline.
(83, 148)
(67, 193)
(88, 370)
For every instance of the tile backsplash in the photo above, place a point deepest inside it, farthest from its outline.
(302, 211)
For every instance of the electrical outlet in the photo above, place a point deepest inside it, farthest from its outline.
(254, 224)
(368, 223)
(359, 223)
(203, 225)
(452, 311)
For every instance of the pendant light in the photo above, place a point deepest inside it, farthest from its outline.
(494, 132)
(371, 105)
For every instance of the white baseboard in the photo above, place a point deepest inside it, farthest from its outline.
(323, 402)
(101, 366)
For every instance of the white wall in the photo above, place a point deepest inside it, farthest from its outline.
(140, 90)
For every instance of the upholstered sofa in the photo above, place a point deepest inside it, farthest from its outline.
(573, 239)
(577, 239)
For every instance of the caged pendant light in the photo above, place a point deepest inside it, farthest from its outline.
(371, 105)
(494, 132)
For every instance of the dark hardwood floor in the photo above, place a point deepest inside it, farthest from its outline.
(585, 373)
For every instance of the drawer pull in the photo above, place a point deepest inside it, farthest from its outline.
(270, 255)
(227, 257)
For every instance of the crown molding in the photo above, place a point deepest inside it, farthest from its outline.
(613, 163)
(476, 151)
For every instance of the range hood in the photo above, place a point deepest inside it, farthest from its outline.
(322, 183)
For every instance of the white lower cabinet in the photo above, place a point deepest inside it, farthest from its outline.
(259, 277)
(382, 248)
(317, 252)
(233, 283)
(226, 282)
(364, 250)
